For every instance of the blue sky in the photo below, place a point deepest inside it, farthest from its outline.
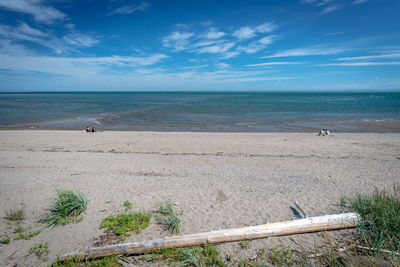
(208, 45)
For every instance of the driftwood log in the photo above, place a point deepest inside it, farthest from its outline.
(307, 225)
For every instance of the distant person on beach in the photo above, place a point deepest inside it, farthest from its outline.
(87, 129)
(93, 130)
(324, 132)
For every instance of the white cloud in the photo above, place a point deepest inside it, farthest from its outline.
(68, 43)
(266, 27)
(127, 9)
(252, 48)
(307, 51)
(74, 66)
(178, 40)
(222, 65)
(41, 12)
(386, 56)
(392, 63)
(357, 2)
(80, 40)
(213, 33)
(244, 33)
(331, 8)
(248, 32)
(268, 39)
(317, 2)
(207, 43)
(214, 49)
(274, 64)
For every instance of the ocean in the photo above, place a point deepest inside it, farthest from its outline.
(215, 112)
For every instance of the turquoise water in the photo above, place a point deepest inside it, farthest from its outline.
(245, 112)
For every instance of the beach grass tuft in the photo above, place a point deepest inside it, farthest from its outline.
(380, 226)
(280, 256)
(16, 215)
(244, 244)
(122, 224)
(5, 241)
(66, 208)
(208, 255)
(110, 261)
(27, 236)
(41, 250)
(168, 218)
(127, 205)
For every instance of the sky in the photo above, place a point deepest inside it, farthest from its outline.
(199, 45)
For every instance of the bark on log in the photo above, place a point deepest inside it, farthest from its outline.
(308, 225)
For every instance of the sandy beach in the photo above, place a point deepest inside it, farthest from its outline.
(219, 180)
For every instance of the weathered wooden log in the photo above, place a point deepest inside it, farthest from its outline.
(311, 224)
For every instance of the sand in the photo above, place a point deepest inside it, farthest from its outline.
(219, 180)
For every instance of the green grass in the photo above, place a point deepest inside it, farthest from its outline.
(195, 256)
(66, 208)
(18, 229)
(5, 241)
(124, 223)
(111, 261)
(127, 205)
(40, 250)
(280, 256)
(16, 215)
(27, 236)
(169, 217)
(244, 244)
(380, 212)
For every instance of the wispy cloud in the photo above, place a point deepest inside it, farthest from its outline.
(218, 48)
(245, 33)
(213, 33)
(79, 40)
(331, 8)
(274, 64)
(178, 40)
(357, 2)
(67, 43)
(37, 8)
(248, 32)
(75, 66)
(127, 9)
(308, 51)
(328, 5)
(385, 56)
(392, 63)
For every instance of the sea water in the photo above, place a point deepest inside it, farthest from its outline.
(228, 112)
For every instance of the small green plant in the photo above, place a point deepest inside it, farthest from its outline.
(195, 256)
(127, 205)
(122, 224)
(66, 208)
(244, 244)
(16, 215)
(110, 261)
(189, 256)
(18, 229)
(40, 250)
(380, 226)
(27, 236)
(169, 217)
(280, 256)
(261, 253)
(5, 241)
